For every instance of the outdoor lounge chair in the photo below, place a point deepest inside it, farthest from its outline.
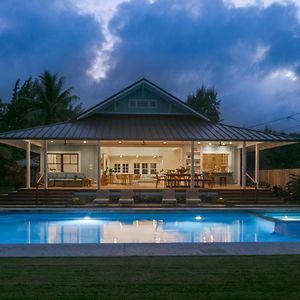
(169, 197)
(126, 197)
(192, 197)
(102, 197)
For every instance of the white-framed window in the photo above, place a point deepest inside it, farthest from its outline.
(125, 168)
(142, 103)
(136, 168)
(117, 168)
(63, 162)
(153, 168)
(144, 168)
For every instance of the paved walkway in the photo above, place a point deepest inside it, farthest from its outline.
(172, 249)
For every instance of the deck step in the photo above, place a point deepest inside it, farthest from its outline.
(36, 197)
(238, 197)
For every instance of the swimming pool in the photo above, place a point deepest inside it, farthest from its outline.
(149, 226)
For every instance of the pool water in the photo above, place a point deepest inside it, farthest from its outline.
(284, 216)
(59, 227)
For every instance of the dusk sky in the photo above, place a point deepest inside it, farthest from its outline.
(248, 50)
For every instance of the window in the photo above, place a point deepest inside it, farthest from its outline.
(144, 168)
(152, 168)
(218, 162)
(117, 168)
(136, 168)
(125, 168)
(63, 162)
(142, 103)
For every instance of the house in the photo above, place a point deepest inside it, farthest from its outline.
(142, 137)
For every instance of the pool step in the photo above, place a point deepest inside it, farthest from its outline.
(39, 197)
(262, 197)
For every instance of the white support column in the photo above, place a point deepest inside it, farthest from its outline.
(193, 165)
(257, 165)
(244, 166)
(45, 165)
(98, 166)
(28, 165)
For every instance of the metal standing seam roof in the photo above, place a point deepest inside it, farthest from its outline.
(143, 127)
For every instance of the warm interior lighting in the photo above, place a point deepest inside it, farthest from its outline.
(199, 143)
(165, 143)
(121, 156)
(154, 156)
(84, 142)
(137, 156)
(230, 143)
(51, 141)
(120, 142)
(209, 144)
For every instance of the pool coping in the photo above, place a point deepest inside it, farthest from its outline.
(150, 249)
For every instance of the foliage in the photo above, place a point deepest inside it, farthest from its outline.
(293, 188)
(206, 102)
(36, 102)
(51, 102)
(16, 114)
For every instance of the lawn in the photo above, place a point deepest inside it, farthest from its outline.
(213, 277)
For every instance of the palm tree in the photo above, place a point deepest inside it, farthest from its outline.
(52, 103)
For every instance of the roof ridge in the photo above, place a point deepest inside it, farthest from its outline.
(143, 79)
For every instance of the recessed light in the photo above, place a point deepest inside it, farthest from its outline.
(230, 143)
(121, 155)
(165, 142)
(209, 144)
(137, 156)
(199, 143)
(154, 156)
(120, 142)
(84, 142)
(51, 141)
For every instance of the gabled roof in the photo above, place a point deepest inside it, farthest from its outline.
(146, 82)
(148, 128)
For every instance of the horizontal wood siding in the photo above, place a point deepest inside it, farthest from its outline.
(278, 177)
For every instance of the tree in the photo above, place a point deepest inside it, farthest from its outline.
(51, 102)
(16, 114)
(205, 101)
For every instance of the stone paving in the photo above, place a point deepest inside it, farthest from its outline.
(168, 249)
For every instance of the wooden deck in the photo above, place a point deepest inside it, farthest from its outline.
(148, 186)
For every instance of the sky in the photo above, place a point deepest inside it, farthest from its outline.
(248, 50)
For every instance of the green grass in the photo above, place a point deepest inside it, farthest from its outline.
(219, 277)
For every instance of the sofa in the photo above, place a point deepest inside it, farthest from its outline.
(68, 179)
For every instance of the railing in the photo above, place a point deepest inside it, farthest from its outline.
(39, 182)
(252, 180)
(255, 184)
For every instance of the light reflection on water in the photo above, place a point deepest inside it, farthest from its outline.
(135, 227)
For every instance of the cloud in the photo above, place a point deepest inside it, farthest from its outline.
(248, 50)
(41, 35)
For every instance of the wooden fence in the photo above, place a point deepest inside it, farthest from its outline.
(277, 177)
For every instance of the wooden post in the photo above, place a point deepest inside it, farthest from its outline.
(28, 165)
(98, 166)
(45, 165)
(257, 165)
(192, 165)
(244, 166)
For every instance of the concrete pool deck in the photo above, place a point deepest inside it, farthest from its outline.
(149, 249)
